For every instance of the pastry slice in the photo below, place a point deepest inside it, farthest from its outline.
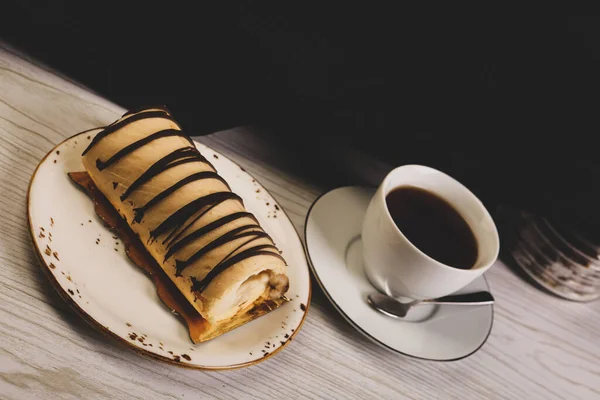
(187, 218)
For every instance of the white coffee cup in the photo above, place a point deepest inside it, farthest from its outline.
(397, 267)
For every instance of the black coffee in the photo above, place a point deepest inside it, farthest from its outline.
(433, 226)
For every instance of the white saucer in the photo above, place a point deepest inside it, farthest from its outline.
(334, 248)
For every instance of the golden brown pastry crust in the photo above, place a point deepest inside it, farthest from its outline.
(197, 230)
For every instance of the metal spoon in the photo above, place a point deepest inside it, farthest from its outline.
(393, 308)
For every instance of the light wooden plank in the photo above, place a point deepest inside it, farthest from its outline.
(541, 347)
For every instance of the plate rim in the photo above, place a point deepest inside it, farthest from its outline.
(353, 323)
(115, 337)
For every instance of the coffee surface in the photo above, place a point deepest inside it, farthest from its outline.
(433, 226)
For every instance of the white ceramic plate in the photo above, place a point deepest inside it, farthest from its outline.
(442, 333)
(117, 298)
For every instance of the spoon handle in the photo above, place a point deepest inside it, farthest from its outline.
(475, 298)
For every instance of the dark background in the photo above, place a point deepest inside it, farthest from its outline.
(506, 104)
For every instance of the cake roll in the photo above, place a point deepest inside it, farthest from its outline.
(187, 218)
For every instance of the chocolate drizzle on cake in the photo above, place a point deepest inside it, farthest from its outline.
(101, 165)
(180, 231)
(139, 212)
(115, 126)
(175, 227)
(175, 246)
(234, 234)
(167, 291)
(185, 212)
(200, 285)
(177, 157)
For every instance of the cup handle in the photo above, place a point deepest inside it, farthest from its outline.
(475, 298)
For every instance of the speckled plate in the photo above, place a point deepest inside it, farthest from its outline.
(119, 300)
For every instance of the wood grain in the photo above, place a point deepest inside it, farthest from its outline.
(541, 347)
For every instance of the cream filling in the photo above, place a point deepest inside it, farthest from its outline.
(235, 300)
(252, 289)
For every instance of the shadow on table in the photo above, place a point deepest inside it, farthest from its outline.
(321, 302)
(506, 223)
(512, 265)
(325, 163)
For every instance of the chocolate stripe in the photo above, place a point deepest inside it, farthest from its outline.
(182, 215)
(185, 227)
(206, 229)
(176, 226)
(177, 157)
(118, 125)
(223, 265)
(140, 143)
(140, 211)
(231, 236)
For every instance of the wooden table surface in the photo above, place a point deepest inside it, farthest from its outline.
(541, 347)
